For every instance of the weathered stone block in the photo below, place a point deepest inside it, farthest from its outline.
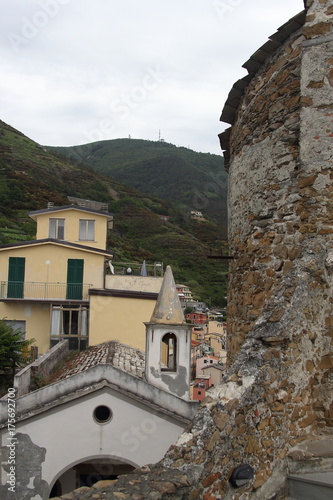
(277, 407)
(264, 424)
(213, 440)
(253, 445)
(307, 181)
(260, 479)
(326, 362)
(321, 28)
(221, 420)
(212, 478)
(306, 422)
(315, 85)
(276, 315)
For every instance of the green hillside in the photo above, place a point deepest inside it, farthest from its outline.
(193, 181)
(32, 175)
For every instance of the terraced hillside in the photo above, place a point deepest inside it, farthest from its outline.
(31, 175)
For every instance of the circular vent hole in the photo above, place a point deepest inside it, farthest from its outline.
(102, 414)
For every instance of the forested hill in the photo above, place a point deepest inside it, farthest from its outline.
(193, 181)
(31, 175)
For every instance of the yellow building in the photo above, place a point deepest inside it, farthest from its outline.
(217, 337)
(55, 286)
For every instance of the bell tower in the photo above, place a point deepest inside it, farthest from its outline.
(168, 342)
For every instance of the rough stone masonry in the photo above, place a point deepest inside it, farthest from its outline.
(277, 394)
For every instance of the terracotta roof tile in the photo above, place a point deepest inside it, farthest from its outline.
(123, 357)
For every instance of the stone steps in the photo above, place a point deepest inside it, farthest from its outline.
(312, 486)
(310, 467)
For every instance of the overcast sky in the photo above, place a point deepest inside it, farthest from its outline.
(77, 71)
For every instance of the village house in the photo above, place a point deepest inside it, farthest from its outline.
(196, 215)
(200, 386)
(197, 318)
(206, 360)
(185, 296)
(215, 372)
(217, 339)
(59, 286)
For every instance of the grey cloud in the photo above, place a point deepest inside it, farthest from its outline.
(142, 66)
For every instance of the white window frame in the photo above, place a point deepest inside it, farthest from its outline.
(57, 321)
(87, 230)
(17, 325)
(55, 226)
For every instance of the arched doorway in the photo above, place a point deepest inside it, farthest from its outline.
(87, 473)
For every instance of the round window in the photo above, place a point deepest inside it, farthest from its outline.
(102, 414)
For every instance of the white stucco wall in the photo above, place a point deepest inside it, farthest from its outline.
(136, 434)
(177, 382)
(133, 283)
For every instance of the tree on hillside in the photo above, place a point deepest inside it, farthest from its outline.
(13, 350)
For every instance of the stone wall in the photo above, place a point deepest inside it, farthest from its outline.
(316, 204)
(280, 291)
(277, 393)
(41, 367)
(263, 189)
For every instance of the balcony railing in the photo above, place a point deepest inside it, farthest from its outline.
(137, 269)
(44, 291)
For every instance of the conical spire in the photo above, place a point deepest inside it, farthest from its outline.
(167, 308)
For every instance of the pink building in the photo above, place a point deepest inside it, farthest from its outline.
(197, 318)
(199, 389)
(204, 361)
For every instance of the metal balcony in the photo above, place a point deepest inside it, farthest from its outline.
(136, 269)
(13, 290)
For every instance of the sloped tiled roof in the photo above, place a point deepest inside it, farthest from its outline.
(123, 357)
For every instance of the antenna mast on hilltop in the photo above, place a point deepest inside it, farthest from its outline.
(159, 137)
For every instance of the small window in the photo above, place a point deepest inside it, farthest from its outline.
(87, 230)
(57, 229)
(17, 325)
(102, 414)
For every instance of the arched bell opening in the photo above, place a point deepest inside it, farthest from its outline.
(169, 352)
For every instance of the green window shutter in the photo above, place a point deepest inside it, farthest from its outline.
(16, 269)
(74, 279)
